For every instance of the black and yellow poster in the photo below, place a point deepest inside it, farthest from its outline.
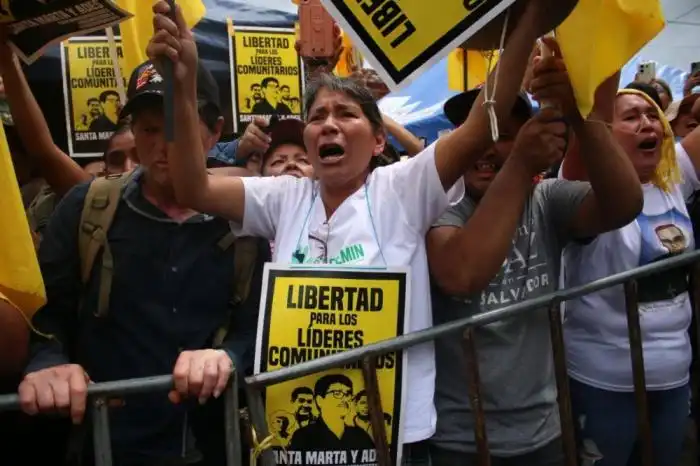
(308, 313)
(90, 91)
(400, 39)
(266, 74)
(36, 24)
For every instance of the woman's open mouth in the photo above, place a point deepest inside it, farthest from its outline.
(649, 144)
(329, 153)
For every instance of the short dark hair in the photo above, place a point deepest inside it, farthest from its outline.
(360, 394)
(93, 99)
(254, 85)
(355, 91)
(648, 89)
(322, 384)
(268, 80)
(107, 93)
(301, 391)
(351, 88)
(664, 85)
(285, 87)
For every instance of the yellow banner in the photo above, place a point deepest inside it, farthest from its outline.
(310, 313)
(400, 39)
(20, 278)
(90, 92)
(266, 74)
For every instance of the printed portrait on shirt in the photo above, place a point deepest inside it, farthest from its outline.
(662, 236)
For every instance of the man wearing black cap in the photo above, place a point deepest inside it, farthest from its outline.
(171, 289)
(502, 245)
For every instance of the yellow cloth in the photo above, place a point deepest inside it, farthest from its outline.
(600, 36)
(350, 58)
(20, 278)
(137, 31)
(477, 64)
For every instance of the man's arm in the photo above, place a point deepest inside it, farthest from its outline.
(407, 139)
(464, 260)
(60, 267)
(223, 196)
(60, 171)
(457, 151)
(610, 171)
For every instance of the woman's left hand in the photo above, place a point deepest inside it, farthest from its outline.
(551, 81)
(201, 374)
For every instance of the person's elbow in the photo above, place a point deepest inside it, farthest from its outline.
(624, 210)
(194, 193)
(453, 273)
(455, 282)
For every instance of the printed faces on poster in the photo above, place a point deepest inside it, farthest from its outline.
(266, 74)
(92, 101)
(308, 313)
(400, 39)
(36, 24)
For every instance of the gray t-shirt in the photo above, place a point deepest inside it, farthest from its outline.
(516, 368)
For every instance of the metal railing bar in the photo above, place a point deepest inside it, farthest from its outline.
(109, 389)
(634, 332)
(100, 433)
(164, 382)
(232, 424)
(415, 338)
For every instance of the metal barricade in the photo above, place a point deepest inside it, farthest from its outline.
(99, 393)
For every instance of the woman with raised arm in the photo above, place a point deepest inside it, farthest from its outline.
(384, 212)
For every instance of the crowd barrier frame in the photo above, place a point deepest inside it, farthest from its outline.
(99, 394)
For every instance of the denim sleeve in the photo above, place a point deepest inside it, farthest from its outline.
(240, 341)
(57, 321)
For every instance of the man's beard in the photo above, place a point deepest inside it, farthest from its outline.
(363, 417)
(301, 416)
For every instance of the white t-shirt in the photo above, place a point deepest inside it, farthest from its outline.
(384, 223)
(595, 325)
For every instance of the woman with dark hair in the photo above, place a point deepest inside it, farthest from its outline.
(383, 212)
(664, 91)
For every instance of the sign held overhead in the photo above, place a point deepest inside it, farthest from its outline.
(400, 39)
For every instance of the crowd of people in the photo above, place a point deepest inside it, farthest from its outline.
(153, 257)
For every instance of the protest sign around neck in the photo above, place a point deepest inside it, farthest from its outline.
(311, 312)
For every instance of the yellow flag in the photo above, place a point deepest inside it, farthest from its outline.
(137, 31)
(20, 277)
(350, 58)
(477, 68)
(600, 36)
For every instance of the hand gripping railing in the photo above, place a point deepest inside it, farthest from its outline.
(100, 392)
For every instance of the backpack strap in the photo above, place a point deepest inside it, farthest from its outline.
(99, 209)
(244, 260)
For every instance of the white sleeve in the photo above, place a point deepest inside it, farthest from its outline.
(690, 182)
(417, 185)
(264, 197)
